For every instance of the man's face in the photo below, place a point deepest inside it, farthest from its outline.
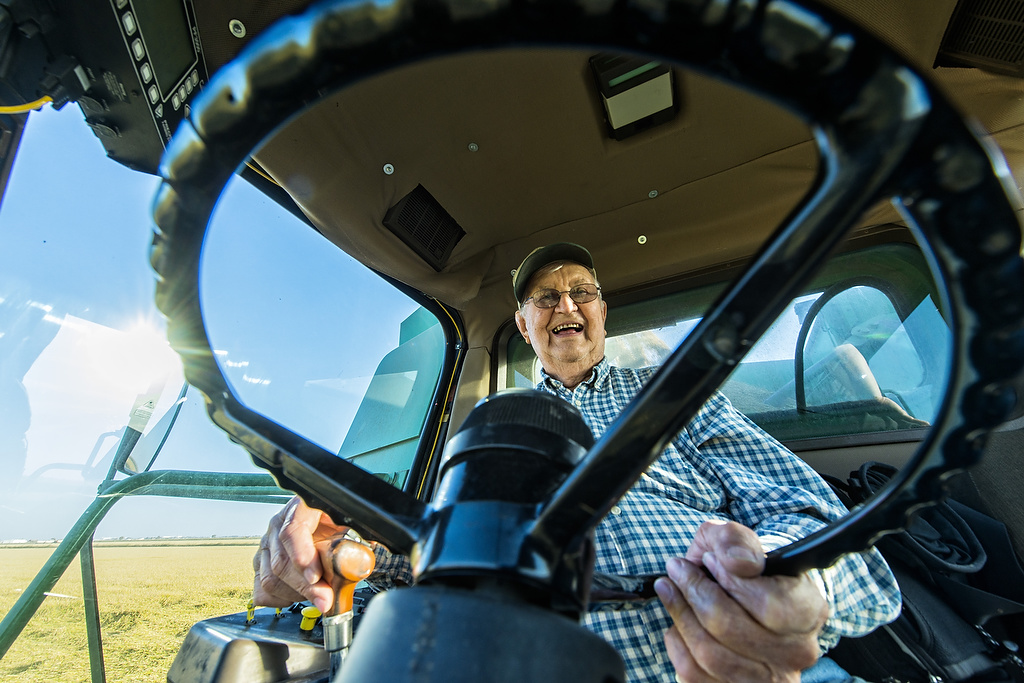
(569, 338)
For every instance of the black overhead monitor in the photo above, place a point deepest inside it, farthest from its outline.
(159, 38)
(142, 84)
(167, 39)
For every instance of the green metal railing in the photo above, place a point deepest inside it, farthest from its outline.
(247, 487)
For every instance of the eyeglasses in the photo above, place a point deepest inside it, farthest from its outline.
(549, 298)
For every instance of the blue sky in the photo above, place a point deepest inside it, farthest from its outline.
(80, 338)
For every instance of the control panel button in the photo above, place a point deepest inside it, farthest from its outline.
(128, 19)
(154, 94)
(146, 72)
(309, 616)
(175, 101)
(138, 50)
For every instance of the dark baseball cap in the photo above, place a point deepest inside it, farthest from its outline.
(542, 256)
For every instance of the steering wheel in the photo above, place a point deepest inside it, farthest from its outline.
(882, 131)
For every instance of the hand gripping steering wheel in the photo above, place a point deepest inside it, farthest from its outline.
(883, 131)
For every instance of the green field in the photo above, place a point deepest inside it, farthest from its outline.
(150, 594)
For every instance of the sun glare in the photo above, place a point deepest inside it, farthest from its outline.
(131, 359)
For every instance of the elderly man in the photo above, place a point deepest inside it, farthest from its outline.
(721, 494)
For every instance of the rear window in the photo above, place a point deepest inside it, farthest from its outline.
(866, 350)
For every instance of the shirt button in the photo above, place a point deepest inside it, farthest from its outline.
(616, 510)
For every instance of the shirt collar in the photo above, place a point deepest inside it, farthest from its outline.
(598, 378)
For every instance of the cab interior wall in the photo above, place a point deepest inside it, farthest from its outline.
(839, 462)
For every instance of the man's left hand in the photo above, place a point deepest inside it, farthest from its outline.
(739, 626)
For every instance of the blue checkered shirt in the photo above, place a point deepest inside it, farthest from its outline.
(720, 466)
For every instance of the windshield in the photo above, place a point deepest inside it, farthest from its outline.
(93, 399)
(85, 368)
(83, 350)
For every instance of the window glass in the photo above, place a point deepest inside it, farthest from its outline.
(83, 350)
(312, 339)
(84, 359)
(86, 372)
(875, 349)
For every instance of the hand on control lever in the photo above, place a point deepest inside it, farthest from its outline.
(288, 565)
(347, 560)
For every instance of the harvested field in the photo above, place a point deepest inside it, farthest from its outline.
(150, 594)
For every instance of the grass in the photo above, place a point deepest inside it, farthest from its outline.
(150, 594)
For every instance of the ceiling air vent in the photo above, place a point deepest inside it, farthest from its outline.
(988, 34)
(422, 223)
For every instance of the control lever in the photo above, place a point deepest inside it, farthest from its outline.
(351, 561)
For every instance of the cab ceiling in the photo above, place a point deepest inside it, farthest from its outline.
(513, 144)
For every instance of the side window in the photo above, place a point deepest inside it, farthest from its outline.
(92, 396)
(845, 362)
(885, 355)
(354, 370)
(386, 427)
(89, 385)
(865, 351)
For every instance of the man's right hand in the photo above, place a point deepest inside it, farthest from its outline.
(287, 565)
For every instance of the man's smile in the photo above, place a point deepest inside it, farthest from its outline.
(565, 329)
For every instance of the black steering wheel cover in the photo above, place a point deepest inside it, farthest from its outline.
(883, 130)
